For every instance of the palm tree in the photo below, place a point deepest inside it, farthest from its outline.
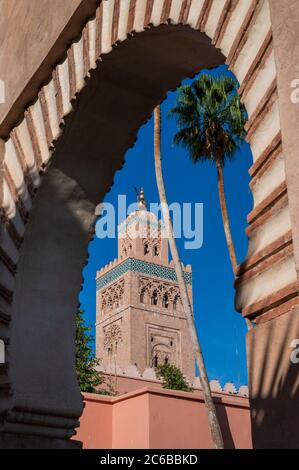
(212, 417)
(211, 120)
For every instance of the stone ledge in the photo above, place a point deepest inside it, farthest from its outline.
(16, 441)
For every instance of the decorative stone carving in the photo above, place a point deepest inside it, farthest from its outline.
(163, 346)
(161, 354)
(113, 296)
(113, 336)
(159, 293)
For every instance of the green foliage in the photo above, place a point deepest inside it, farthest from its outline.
(210, 118)
(172, 378)
(88, 377)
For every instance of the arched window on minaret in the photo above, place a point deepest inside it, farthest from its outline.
(176, 302)
(156, 250)
(143, 296)
(154, 298)
(145, 248)
(165, 302)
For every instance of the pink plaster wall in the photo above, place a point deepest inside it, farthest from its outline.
(153, 418)
(96, 422)
(131, 422)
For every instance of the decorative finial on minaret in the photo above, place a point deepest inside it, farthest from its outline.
(140, 199)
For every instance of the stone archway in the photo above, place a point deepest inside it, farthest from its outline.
(59, 162)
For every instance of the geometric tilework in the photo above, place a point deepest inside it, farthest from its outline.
(139, 266)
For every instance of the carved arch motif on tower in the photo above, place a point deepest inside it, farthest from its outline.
(160, 294)
(163, 345)
(112, 337)
(161, 354)
(152, 243)
(113, 296)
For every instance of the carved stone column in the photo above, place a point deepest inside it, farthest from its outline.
(45, 399)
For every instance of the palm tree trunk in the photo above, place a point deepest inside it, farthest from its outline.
(211, 410)
(226, 226)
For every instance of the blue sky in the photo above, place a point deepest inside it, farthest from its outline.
(221, 329)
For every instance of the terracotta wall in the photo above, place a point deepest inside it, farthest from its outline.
(158, 418)
(96, 422)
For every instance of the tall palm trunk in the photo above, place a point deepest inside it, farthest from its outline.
(212, 417)
(226, 226)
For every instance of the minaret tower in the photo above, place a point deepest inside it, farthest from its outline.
(139, 317)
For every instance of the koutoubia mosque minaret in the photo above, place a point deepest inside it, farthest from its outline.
(139, 316)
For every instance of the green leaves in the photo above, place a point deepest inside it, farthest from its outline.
(88, 377)
(172, 378)
(211, 118)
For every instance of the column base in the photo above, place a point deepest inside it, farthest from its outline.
(23, 441)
